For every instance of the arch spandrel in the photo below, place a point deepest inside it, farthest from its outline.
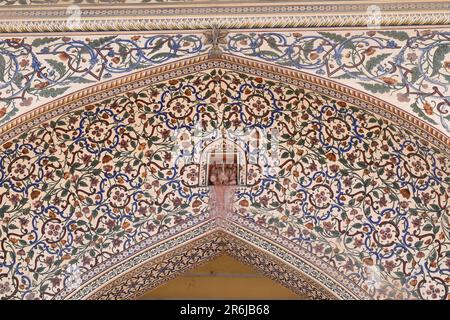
(88, 186)
(174, 262)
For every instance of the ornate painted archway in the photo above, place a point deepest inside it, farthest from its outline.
(96, 204)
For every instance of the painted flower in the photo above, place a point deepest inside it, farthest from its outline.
(412, 56)
(55, 282)
(403, 97)
(348, 266)
(177, 202)
(318, 248)
(389, 80)
(41, 85)
(428, 108)
(86, 261)
(370, 51)
(313, 56)
(389, 265)
(63, 56)
(264, 200)
(117, 242)
(391, 44)
(24, 62)
(4, 287)
(31, 296)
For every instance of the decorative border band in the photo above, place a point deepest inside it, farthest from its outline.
(204, 23)
(135, 280)
(314, 274)
(137, 254)
(181, 16)
(138, 279)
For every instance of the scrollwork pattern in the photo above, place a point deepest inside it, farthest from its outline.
(412, 68)
(48, 67)
(354, 189)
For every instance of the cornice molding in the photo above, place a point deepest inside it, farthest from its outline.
(188, 16)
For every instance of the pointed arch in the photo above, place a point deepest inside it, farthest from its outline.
(171, 263)
(135, 254)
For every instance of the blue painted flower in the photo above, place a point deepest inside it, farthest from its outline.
(320, 72)
(111, 53)
(391, 44)
(45, 50)
(320, 49)
(175, 46)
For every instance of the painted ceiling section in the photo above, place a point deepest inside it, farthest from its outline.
(341, 136)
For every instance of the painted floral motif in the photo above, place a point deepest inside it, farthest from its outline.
(411, 67)
(48, 67)
(352, 188)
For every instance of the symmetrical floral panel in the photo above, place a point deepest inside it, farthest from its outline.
(353, 189)
(409, 67)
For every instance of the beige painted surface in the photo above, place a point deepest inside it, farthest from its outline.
(223, 278)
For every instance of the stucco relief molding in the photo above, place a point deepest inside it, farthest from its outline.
(202, 16)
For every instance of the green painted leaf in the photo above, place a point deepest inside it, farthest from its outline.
(58, 66)
(41, 41)
(101, 41)
(273, 44)
(2, 69)
(398, 35)
(375, 87)
(344, 76)
(79, 80)
(268, 54)
(52, 92)
(422, 114)
(438, 58)
(415, 74)
(3, 210)
(333, 36)
(375, 61)
(158, 45)
(161, 56)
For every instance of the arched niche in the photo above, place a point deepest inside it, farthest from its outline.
(358, 204)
